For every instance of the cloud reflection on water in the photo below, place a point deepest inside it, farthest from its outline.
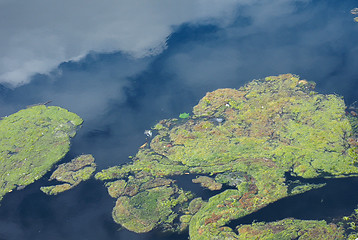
(39, 35)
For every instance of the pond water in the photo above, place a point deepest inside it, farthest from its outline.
(119, 96)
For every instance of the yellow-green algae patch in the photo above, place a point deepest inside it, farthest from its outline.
(290, 229)
(208, 182)
(144, 202)
(72, 173)
(249, 138)
(31, 141)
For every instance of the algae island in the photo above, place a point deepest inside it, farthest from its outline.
(246, 138)
(31, 142)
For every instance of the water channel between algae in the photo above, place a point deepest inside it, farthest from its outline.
(248, 139)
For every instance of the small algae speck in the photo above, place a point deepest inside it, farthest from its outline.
(184, 115)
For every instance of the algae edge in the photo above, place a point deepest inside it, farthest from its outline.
(31, 142)
(246, 138)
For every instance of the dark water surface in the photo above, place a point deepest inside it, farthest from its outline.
(119, 97)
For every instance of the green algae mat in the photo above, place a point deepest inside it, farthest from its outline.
(71, 174)
(247, 139)
(31, 142)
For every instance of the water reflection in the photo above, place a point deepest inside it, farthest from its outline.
(119, 97)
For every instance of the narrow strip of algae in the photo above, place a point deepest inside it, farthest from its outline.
(31, 141)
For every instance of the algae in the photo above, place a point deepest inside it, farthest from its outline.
(248, 138)
(143, 202)
(188, 212)
(349, 224)
(72, 173)
(208, 182)
(31, 141)
(290, 229)
(184, 115)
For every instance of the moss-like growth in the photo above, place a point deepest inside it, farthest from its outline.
(349, 224)
(143, 211)
(208, 182)
(31, 141)
(290, 229)
(195, 205)
(145, 202)
(116, 188)
(55, 189)
(249, 138)
(184, 115)
(72, 173)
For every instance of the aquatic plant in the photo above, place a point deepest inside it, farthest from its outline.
(31, 141)
(349, 224)
(272, 127)
(144, 202)
(184, 115)
(72, 173)
(290, 229)
(208, 182)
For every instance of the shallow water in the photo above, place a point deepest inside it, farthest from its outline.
(119, 97)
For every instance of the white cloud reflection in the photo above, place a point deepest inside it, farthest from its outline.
(38, 35)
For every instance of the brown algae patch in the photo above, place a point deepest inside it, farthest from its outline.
(247, 138)
(72, 173)
(31, 141)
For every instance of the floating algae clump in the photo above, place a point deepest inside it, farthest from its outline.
(250, 138)
(145, 201)
(71, 173)
(290, 229)
(31, 141)
(208, 182)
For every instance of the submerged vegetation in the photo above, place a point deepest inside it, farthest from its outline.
(247, 139)
(72, 173)
(31, 141)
